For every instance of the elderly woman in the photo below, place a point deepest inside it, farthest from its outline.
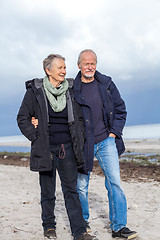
(57, 139)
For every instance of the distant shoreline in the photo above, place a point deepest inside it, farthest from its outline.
(143, 145)
(132, 145)
(16, 144)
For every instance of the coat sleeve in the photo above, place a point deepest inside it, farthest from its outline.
(81, 120)
(117, 112)
(26, 112)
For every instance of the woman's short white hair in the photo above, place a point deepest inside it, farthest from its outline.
(48, 61)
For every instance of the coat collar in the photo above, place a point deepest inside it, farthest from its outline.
(101, 78)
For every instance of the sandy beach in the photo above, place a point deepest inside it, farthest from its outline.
(143, 145)
(20, 215)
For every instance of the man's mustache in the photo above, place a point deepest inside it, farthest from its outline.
(89, 70)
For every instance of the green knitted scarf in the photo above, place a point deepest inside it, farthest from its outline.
(58, 103)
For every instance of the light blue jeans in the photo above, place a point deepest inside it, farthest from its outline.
(106, 153)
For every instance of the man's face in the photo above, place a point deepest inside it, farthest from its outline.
(87, 66)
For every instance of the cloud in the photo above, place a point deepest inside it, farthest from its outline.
(129, 35)
(124, 34)
(30, 31)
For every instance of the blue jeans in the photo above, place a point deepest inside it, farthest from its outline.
(106, 153)
(67, 170)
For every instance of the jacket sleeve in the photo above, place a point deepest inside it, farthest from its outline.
(26, 112)
(117, 112)
(81, 120)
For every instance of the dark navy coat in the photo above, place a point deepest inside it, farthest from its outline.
(114, 113)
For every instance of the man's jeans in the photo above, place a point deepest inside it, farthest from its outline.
(106, 153)
(67, 169)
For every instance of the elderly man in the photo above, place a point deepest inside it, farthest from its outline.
(104, 114)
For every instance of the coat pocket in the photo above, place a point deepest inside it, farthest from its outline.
(36, 148)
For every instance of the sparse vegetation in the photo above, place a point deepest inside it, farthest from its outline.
(14, 153)
(143, 159)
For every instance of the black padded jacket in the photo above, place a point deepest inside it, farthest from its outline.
(34, 104)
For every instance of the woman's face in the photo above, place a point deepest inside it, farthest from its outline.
(57, 72)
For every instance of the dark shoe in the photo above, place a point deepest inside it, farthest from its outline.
(88, 227)
(85, 236)
(124, 233)
(50, 233)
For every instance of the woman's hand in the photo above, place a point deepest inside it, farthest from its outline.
(34, 121)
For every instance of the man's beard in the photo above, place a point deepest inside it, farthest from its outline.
(88, 77)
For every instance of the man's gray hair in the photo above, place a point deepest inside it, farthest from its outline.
(86, 50)
(48, 61)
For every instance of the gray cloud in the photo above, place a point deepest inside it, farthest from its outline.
(124, 34)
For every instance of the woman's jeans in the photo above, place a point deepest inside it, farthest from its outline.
(67, 170)
(106, 153)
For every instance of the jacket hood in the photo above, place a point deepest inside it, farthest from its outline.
(34, 83)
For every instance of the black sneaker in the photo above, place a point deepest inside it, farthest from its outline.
(124, 233)
(87, 227)
(86, 236)
(50, 233)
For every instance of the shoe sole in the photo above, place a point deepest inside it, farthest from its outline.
(50, 237)
(133, 236)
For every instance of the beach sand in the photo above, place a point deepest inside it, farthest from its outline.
(20, 215)
(143, 145)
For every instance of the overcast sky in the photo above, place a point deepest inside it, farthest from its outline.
(125, 34)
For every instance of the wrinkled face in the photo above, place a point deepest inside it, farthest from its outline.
(87, 65)
(57, 72)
